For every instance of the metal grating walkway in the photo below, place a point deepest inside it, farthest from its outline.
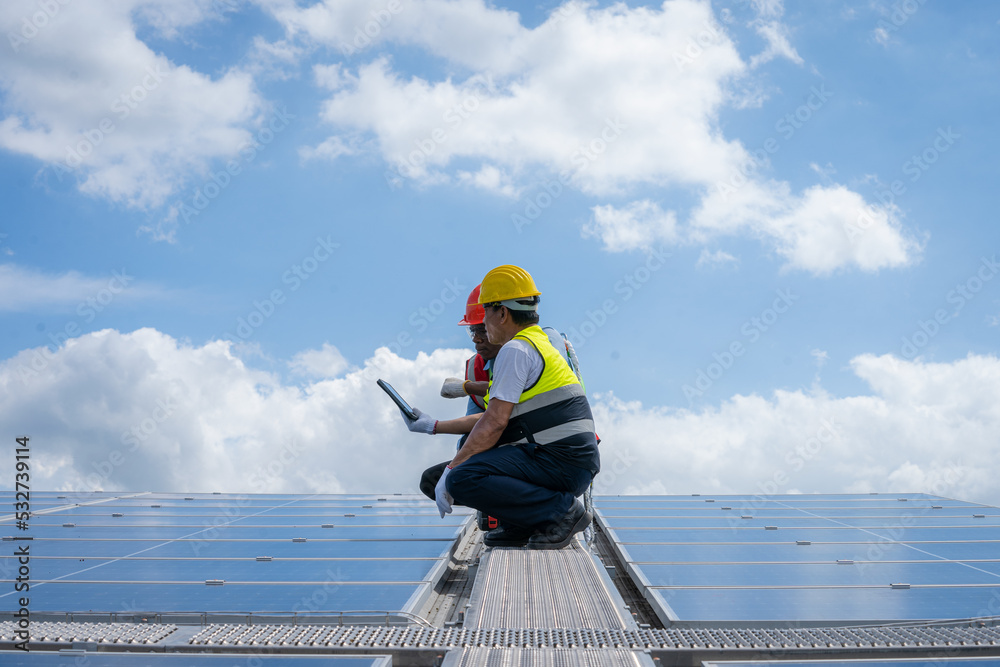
(670, 639)
(520, 657)
(547, 591)
(523, 588)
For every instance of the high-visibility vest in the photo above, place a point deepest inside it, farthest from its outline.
(554, 408)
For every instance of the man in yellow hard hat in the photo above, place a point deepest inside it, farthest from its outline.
(539, 410)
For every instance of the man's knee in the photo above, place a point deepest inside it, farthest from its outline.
(460, 480)
(429, 480)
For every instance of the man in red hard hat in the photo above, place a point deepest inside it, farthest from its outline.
(477, 376)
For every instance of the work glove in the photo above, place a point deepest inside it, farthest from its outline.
(453, 388)
(422, 424)
(441, 495)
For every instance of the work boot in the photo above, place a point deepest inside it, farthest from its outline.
(508, 536)
(561, 533)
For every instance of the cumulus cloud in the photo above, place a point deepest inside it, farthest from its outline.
(26, 289)
(925, 427)
(88, 98)
(716, 260)
(143, 411)
(825, 229)
(525, 114)
(640, 225)
(325, 362)
(768, 25)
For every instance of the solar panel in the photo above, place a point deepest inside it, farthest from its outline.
(942, 661)
(62, 659)
(803, 558)
(230, 553)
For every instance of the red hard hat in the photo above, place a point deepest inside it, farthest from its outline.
(474, 313)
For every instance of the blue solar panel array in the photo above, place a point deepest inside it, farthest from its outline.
(55, 659)
(821, 559)
(151, 552)
(937, 661)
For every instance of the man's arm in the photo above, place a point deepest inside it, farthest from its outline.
(459, 425)
(476, 388)
(486, 432)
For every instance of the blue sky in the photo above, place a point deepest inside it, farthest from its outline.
(749, 217)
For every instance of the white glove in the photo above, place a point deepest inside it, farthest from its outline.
(422, 424)
(441, 495)
(453, 388)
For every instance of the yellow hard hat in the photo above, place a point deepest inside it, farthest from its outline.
(507, 282)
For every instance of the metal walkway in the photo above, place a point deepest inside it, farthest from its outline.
(546, 591)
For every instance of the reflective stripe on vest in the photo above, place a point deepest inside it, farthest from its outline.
(555, 407)
(472, 376)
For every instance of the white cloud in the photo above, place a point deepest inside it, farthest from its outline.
(331, 149)
(640, 225)
(778, 46)
(143, 411)
(326, 362)
(491, 179)
(715, 260)
(25, 289)
(526, 113)
(85, 96)
(925, 427)
(530, 101)
(825, 229)
(768, 25)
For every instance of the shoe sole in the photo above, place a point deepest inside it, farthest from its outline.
(578, 527)
(505, 543)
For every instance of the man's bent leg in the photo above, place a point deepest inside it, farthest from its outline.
(517, 486)
(430, 478)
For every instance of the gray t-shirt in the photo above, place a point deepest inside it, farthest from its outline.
(518, 365)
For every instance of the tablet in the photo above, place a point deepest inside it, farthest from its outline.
(394, 395)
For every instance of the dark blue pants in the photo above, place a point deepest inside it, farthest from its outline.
(520, 485)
